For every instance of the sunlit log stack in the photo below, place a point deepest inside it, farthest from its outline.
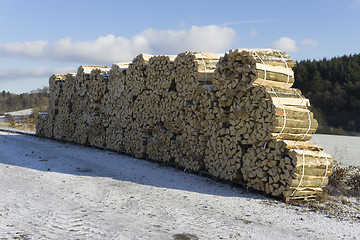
(241, 69)
(223, 156)
(286, 168)
(265, 113)
(256, 85)
(135, 80)
(159, 146)
(234, 115)
(172, 112)
(193, 69)
(159, 74)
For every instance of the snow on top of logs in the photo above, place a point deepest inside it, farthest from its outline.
(145, 57)
(206, 55)
(71, 75)
(87, 69)
(122, 65)
(58, 77)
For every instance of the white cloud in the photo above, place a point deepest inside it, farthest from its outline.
(108, 49)
(253, 33)
(36, 49)
(310, 42)
(21, 73)
(285, 44)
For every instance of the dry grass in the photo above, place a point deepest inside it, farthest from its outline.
(341, 197)
(345, 181)
(28, 123)
(185, 236)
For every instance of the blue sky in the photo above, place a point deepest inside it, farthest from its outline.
(42, 37)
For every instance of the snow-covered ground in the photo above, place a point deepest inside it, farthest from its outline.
(18, 114)
(53, 190)
(345, 149)
(21, 112)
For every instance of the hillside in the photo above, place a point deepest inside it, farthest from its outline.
(13, 102)
(333, 87)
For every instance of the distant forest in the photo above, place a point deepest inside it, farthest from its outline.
(333, 88)
(35, 99)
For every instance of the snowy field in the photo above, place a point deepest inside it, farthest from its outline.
(344, 149)
(53, 190)
(18, 114)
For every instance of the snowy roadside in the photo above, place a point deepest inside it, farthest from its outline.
(53, 190)
(344, 149)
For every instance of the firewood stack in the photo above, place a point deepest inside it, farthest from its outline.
(223, 156)
(172, 112)
(286, 168)
(266, 112)
(116, 108)
(117, 78)
(159, 72)
(191, 147)
(135, 81)
(269, 117)
(56, 82)
(146, 109)
(235, 116)
(57, 103)
(193, 69)
(84, 105)
(97, 91)
(159, 146)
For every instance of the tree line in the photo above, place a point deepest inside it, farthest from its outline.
(333, 88)
(13, 102)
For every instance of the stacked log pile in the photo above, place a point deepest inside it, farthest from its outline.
(286, 168)
(272, 120)
(235, 116)
(193, 69)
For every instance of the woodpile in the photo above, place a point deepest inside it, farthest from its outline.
(114, 137)
(191, 146)
(97, 86)
(83, 77)
(159, 74)
(172, 112)
(223, 156)
(159, 146)
(286, 168)
(69, 86)
(136, 74)
(240, 69)
(117, 79)
(146, 109)
(193, 69)
(265, 113)
(96, 132)
(233, 115)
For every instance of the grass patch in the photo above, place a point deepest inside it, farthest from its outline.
(185, 236)
(344, 181)
(27, 123)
